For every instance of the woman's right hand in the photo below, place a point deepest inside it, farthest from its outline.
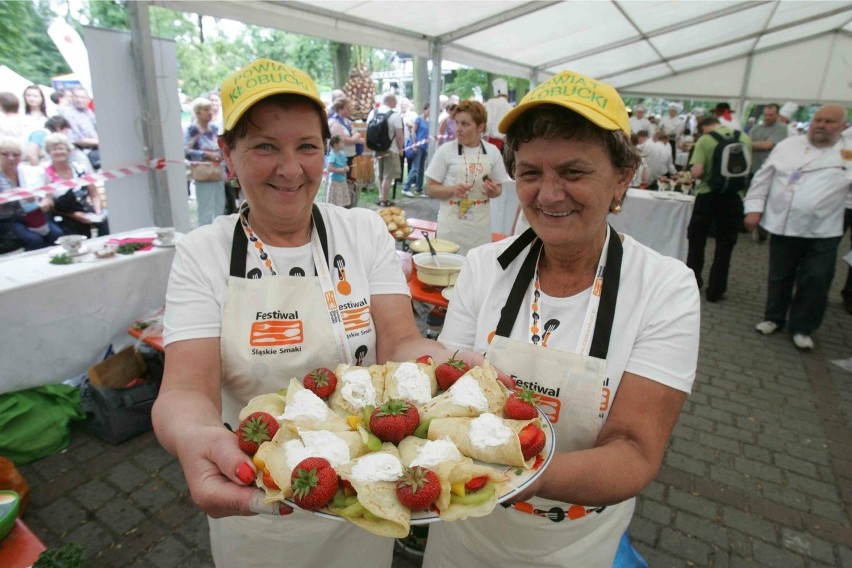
(462, 189)
(220, 476)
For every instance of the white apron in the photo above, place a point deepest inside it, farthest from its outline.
(294, 318)
(542, 532)
(467, 221)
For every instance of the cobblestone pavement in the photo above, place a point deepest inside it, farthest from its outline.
(758, 471)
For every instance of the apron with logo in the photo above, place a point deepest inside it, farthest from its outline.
(466, 221)
(573, 392)
(265, 318)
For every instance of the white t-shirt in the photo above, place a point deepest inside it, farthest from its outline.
(655, 330)
(444, 167)
(198, 283)
(637, 124)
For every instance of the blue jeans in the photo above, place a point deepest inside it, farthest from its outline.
(418, 165)
(34, 241)
(807, 265)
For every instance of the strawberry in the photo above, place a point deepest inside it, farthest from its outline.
(258, 427)
(394, 420)
(424, 359)
(321, 382)
(450, 371)
(532, 440)
(476, 483)
(418, 488)
(314, 483)
(522, 405)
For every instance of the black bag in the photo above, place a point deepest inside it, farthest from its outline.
(378, 136)
(118, 414)
(731, 164)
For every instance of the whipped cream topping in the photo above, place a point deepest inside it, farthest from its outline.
(358, 389)
(436, 452)
(412, 383)
(379, 466)
(466, 392)
(317, 444)
(305, 405)
(489, 431)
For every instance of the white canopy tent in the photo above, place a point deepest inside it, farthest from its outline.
(739, 51)
(735, 50)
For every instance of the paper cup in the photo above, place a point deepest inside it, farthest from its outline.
(165, 234)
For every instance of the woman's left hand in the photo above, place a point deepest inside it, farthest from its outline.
(531, 490)
(491, 189)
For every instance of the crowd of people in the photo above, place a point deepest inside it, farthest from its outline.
(36, 150)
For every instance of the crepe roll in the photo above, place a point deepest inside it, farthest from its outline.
(487, 438)
(272, 403)
(452, 468)
(373, 477)
(304, 409)
(414, 382)
(291, 445)
(474, 393)
(357, 387)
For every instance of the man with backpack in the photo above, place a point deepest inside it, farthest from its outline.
(385, 136)
(721, 162)
(799, 196)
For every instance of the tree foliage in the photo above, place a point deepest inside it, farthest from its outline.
(26, 48)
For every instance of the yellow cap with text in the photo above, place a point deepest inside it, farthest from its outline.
(260, 79)
(597, 101)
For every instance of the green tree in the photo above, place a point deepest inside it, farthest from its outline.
(26, 48)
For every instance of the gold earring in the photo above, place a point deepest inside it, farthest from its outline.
(615, 207)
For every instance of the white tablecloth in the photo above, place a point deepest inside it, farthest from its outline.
(59, 319)
(657, 223)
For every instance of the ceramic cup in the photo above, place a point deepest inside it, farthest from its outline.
(165, 234)
(71, 243)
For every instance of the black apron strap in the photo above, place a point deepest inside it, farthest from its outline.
(609, 295)
(239, 244)
(509, 255)
(509, 313)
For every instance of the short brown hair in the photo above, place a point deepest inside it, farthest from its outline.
(9, 102)
(553, 121)
(475, 109)
(338, 104)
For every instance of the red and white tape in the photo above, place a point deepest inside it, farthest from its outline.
(18, 194)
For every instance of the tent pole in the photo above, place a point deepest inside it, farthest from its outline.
(142, 51)
(744, 88)
(434, 93)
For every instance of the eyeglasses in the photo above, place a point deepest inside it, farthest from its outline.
(10, 154)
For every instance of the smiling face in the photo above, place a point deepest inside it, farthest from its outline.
(566, 187)
(279, 163)
(10, 157)
(468, 132)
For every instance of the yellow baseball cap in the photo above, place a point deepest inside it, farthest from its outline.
(593, 99)
(260, 79)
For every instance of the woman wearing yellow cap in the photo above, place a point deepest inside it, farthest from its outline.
(604, 329)
(272, 292)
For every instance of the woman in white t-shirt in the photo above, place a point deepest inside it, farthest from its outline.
(272, 292)
(602, 328)
(465, 175)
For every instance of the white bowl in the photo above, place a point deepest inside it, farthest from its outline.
(443, 275)
(441, 245)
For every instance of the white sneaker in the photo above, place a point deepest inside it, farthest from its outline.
(407, 193)
(803, 342)
(766, 327)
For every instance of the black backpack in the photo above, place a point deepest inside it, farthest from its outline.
(731, 164)
(378, 137)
